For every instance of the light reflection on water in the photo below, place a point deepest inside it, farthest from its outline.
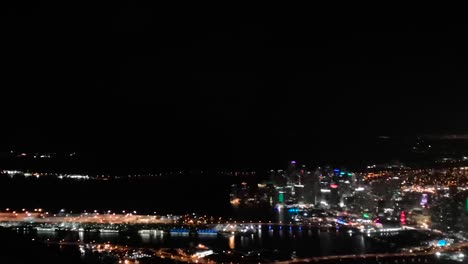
(232, 242)
(306, 242)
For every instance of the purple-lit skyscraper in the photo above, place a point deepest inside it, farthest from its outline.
(424, 199)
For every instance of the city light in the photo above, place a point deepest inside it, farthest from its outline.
(281, 197)
(442, 243)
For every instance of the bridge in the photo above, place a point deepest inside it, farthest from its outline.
(416, 256)
(360, 258)
(291, 226)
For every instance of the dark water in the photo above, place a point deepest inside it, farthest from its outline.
(171, 195)
(306, 242)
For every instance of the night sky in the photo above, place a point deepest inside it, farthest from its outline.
(191, 89)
